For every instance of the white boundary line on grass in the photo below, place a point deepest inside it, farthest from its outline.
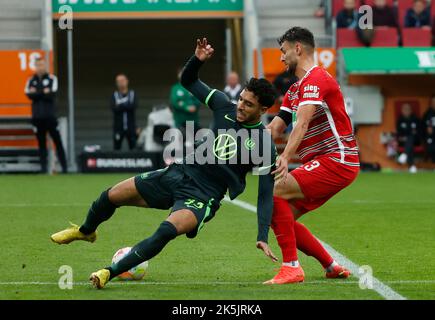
(378, 286)
(314, 282)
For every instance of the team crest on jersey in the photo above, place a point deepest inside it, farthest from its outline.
(249, 144)
(225, 147)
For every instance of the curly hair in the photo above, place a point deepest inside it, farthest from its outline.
(298, 34)
(263, 90)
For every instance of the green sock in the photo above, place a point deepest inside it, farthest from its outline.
(145, 249)
(101, 210)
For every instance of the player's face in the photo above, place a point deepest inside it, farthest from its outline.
(249, 109)
(121, 82)
(40, 67)
(289, 55)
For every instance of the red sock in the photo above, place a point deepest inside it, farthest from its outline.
(283, 226)
(309, 245)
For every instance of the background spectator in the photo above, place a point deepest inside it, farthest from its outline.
(282, 83)
(320, 11)
(418, 16)
(233, 87)
(184, 106)
(408, 135)
(41, 88)
(429, 124)
(383, 15)
(124, 103)
(348, 17)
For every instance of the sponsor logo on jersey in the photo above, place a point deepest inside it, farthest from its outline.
(311, 91)
(228, 118)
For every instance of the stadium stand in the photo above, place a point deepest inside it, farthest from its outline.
(416, 37)
(385, 37)
(19, 29)
(348, 38)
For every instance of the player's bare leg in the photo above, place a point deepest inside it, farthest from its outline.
(122, 194)
(178, 223)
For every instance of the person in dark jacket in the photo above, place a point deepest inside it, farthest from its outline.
(429, 125)
(384, 15)
(124, 103)
(348, 17)
(408, 129)
(418, 16)
(41, 88)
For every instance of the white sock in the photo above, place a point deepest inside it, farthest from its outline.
(331, 266)
(293, 264)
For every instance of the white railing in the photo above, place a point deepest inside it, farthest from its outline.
(252, 37)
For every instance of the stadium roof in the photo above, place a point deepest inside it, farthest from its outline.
(389, 60)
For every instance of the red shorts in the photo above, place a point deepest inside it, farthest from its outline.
(320, 179)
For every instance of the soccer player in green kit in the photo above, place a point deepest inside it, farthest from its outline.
(193, 190)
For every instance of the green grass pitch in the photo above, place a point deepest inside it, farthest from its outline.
(385, 221)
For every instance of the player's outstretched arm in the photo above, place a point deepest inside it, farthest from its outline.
(190, 77)
(264, 213)
(303, 116)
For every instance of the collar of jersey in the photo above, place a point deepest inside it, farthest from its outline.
(250, 126)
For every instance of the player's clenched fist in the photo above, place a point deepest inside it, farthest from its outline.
(203, 51)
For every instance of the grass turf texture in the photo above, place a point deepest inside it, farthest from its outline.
(385, 221)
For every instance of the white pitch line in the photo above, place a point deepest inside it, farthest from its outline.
(206, 283)
(378, 286)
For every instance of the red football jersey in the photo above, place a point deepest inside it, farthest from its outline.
(330, 130)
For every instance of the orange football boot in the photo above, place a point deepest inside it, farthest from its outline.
(287, 275)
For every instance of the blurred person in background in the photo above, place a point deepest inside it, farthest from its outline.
(320, 11)
(408, 135)
(41, 88)
(348, 16)
(429, 126)
(124, 103)
(383, 16)
(185, 107)
(233, 87)
(418, 16)
(282, 83)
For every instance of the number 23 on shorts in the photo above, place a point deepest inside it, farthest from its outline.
(311, 166)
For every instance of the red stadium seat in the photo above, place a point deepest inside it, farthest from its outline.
(371, 2)
(347, 38)
(404, 5)
(337, 6)
(416, 37)
(385, 37)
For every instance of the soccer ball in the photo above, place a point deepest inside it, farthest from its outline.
(135, 273)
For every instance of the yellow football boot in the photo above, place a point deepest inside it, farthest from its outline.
(71, 234)
(100, 278)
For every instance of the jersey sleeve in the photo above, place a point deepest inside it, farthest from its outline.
(285, 112)
(213, 98)
(313, 90)
(265, 194)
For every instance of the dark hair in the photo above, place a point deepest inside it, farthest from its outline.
(263, 90)
(298, 34)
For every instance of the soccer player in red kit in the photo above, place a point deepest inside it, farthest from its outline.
(322, 137)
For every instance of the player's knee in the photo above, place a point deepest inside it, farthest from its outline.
(166, 231)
